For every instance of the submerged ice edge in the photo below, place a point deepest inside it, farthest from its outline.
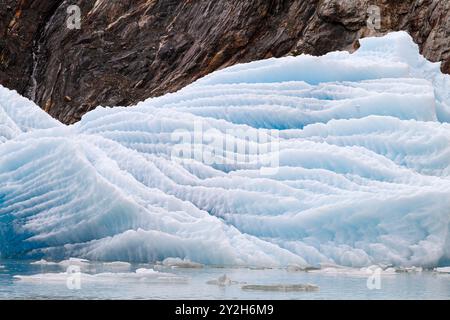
(358, 143)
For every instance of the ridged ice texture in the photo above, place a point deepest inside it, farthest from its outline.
(18, 115)
(362, 172)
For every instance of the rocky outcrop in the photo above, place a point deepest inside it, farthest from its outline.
(129, 50)
(21, 25)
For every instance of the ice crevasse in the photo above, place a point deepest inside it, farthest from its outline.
(346, 160)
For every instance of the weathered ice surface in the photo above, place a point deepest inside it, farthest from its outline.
(129, 50)
(299, 162)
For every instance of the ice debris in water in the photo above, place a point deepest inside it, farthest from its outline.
(71, 262)
(141, 275)
(281, 287)
(44, 262)
(117, 265)
(181, 263)
(363, 272)
(443, 270)
(222, 281)
(357, 173)
(82, 263)
(409, 270)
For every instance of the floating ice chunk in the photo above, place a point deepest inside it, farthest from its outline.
(74, 262)
(141, 275)
(146, 271)
(409, 270)
(181, 263)
(44, 262)
(117, 264)
(52, 278)
(222, 281)
(442, 270)
(375, 268)
(146, 275)
(358, 272)
(281, 287)
(64, 264)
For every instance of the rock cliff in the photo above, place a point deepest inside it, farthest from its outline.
(129, 50)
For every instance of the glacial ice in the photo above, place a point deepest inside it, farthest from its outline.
(362, 272)
(222, 281)
(118, 265)
(140, 275)
(179, 263)
(281, 287)
(347, 162)
(44, 262)
(443, 270)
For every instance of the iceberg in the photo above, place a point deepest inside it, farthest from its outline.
(341, 159)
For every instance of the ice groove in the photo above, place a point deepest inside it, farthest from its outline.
(362, 143)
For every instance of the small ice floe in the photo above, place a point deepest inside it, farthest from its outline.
(82, 263)
(281, 287)
(222, 281)
(181, 263)
(141, 275)
(74, 262)
(43, 278)
(151, 274)
(442, 270)
(409, 269)
(300, 268)
(71, 262)
(359, 272)
(44, 262)
(2, 267)
(117, 265)
(384, 271)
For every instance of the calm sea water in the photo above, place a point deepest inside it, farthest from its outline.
(424, 285)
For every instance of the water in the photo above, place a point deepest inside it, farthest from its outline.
(424, 285)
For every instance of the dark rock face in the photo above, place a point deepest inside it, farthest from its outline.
(21, 23)
(129, 50)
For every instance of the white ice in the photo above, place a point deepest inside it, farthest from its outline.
(443, 270)
(359, 173)
(140, 275)
(181, 263)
